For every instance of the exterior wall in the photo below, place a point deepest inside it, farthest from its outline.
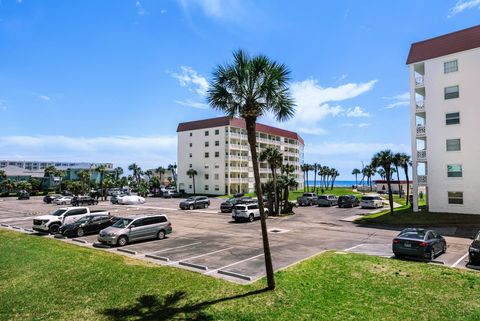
(39, 165)
(437, 132)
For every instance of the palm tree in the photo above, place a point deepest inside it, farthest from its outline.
(102, 169)
(316, 167)
(3, 175)
(160, 171)
(118, 172)
(149, 173)
(384, 160)
(251, 88)
(274, 158)
(368, 172)
(334, 173)
(405, 162)
(355, 172)
(381, 172)
(84, 176)
(191, 173)
(397, 162)
(173, 169)
(136, 172)
(305, 168)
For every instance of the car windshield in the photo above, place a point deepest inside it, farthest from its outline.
(123, 222)
(85, 219)
(58, 212)
(191, 198)
(367, 198)
(241, 207)
(323, 197)
(419, 235)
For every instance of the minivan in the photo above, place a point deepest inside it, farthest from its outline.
(371, 201)
(130, 229)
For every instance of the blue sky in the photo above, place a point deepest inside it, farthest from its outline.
(110, 80)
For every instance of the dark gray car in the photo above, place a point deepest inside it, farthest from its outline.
(130, 229)
(195, 202)
(419, 243)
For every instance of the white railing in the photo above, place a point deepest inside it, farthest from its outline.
(419, 81)
(422, 179)
(422, 154)
(421, 130)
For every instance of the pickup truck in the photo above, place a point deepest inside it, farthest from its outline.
(307, 199)
(67, 215)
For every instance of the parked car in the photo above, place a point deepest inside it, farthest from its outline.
(66, 215)
(23, 195)
(474, 251)
(247, 212)
(63, 200)
(112, 191)
(327, 200)
(171, 193)
(418, 243)
(348, 201)
(83, 200)
(127, 230)
(195, 202)
(130, 200)
(371, 201)
(49, 198)
(228, 205)
(307, 199)
(89, 224)
(114, 198)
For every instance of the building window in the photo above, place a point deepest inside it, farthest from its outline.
(217, 154)
(190, 144)
(452, 118)
(455, 198)
(191, 134)
(217, 143)
(207, 154)
(453, 145)
(207, 176)
(452, 92)
(206, 187)
(216, 176)
(217, 187)
(454, 170)
(450, 66)
(217, 166)
(217, 131)
(207, 166)
(190, 186)
(206, 144)
(190, 166)
(207, 133)
(190, 155)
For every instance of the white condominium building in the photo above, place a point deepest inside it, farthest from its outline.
(445, 115)
(218, 150)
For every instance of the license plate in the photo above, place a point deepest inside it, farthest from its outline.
(407, 244)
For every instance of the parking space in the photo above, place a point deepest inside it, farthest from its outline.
(209, 242)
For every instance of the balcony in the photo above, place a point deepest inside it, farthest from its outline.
(420, 106)
(422, 180)
(419, 81)
(421, 131)
(422, 155)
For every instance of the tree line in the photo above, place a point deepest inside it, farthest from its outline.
(326, 174)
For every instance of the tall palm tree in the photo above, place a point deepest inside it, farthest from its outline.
(118, 172)
(274, 158)
(368, 172)
(102, 169)
(397, 162)
(3, 175)
(136, 172)
(355, 172)
(405, 162)
(191, 173)
(173, 168)
(160, 171)
(251, 87)
(84, 176)
(149, 173)
(305, 169)
(316, 167)
(382, 174)
(384, 160)
(334, 173)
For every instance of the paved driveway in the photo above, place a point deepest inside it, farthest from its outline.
(209, 242)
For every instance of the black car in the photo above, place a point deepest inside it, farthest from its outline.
(474, 251)
(83, 200)
(418, 242)
(228, 205)
(348, 201)
(23, 195)
(90, 224)
(49, 198)
(195, 202)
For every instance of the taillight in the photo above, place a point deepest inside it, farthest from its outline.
(395, 241)
(169, 224)
(423, 244)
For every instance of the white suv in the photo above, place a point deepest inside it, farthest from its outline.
(248, 212)
(371, 201)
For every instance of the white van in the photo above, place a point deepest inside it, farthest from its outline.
(371, 201)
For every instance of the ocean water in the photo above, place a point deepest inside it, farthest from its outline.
(336, 184)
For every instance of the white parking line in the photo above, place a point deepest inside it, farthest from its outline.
(353, 247)
(201, 255)
(238, 262)
(459, 260)
(177, 247)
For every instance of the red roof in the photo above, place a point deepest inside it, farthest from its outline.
(444, 45)
(237, 122)
(380, 181)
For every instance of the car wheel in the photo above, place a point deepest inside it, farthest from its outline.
(444, 248)
(251, 218)
(161, 235)
(432, 254)
(80, 232)
(191, 207)
(54, 228)
(63, 203)
(122, 241)
(266, 214)
(205, 205)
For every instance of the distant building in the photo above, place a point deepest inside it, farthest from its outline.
(218, 150)
(444, 90)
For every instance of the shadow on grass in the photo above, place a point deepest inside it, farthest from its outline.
(151, 307)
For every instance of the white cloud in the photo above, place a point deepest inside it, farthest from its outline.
(192, 80)
(43, 97)
(163, 11)
(362, 125)
(462, 5)
(140, 9)
(3, 107)
(220, 9)
(357, 112)
(19, 1)
(313, 100)
(191, 103)
(398, 100)
(312, 131)
(121, 150)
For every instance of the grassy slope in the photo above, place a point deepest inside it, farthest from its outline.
(294, 194)
(44, 279)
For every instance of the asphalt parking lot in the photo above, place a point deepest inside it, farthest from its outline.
(209, 242)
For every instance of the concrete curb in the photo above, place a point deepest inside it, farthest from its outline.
(4, 225)
(235, 275)
(80, 241)
(29, 230)
(127, 251)
(193, 265)
(17, 227)
(101, 246)
(156, 257)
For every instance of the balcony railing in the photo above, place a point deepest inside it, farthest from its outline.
(421, 131)
(420, 106)
(422, 179)
(422, 154)
(419, 81)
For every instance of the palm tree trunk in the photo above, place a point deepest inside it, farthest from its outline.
(398, 179)
(315, 179)
(193, 178)
(408, 185)
(390, 195)
(307, 180)
(304, 182)
(272, 168)
(356, 180)
(252, 140)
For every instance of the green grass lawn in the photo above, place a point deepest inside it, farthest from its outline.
(43, 279)
(294, 194)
